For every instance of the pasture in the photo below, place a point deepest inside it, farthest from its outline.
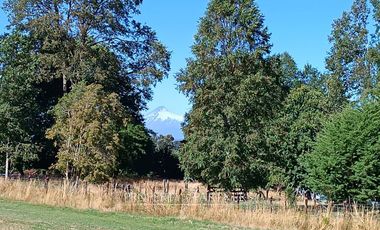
(21, 215)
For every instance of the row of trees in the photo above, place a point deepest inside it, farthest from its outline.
(258, 121)
(74, 78)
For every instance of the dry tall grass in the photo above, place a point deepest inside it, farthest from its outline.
(148, 197)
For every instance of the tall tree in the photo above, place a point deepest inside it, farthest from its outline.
(234, 93)
(349, 75)
(374, 48)
(18, 104)
(96, 41)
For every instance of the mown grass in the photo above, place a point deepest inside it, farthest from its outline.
(22, 215)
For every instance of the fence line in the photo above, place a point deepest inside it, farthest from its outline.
(151, 195)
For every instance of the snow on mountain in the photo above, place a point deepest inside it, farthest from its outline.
(161, 113)
(164, 122)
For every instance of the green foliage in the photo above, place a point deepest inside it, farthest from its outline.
(287, 69)
(351, 71)
(18, 107)
(165, 159)
(234, 93)
(137, 148)
(254, 121)
(54, 45)
(339, 165)
(374, 48)
(366, 172)
(293, 132)
(94, 41)
(88, 122)
(312, 77)
(160, 159)
(345, 161)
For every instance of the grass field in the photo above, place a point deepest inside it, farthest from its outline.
(147, 206)
(21, 215)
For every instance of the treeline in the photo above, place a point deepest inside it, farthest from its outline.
(75, 76)
(258, 121)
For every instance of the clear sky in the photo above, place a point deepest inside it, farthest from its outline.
(300, 27)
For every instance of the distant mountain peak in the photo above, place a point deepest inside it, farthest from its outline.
(164, 122)
(158, 109)
(163, 114)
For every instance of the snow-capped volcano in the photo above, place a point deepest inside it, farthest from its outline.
(161, 113)
(164, 122)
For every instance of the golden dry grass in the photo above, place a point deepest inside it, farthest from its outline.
(148, 197)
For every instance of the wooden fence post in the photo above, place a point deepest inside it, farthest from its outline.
(46, 184)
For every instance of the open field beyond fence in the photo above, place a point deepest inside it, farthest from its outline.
(186, 201)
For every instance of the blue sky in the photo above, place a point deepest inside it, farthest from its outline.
(300, 27)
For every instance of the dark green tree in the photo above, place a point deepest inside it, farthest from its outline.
(160, 159)
(135, 154)
(166, 163)
(234, 92)
(18, 106)
(312, 77)
(96, 41)
(287, 69)
(293, 132)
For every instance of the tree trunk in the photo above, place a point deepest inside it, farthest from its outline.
(67, 171)
(6, 165)
(64, 82)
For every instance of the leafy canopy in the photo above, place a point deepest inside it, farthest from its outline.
(352, 60)
(345, 161)
(94, 41)
(293, 131)
(18, 102)
(234, 93)
(88, 122)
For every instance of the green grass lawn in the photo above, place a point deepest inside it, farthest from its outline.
(21, 215)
